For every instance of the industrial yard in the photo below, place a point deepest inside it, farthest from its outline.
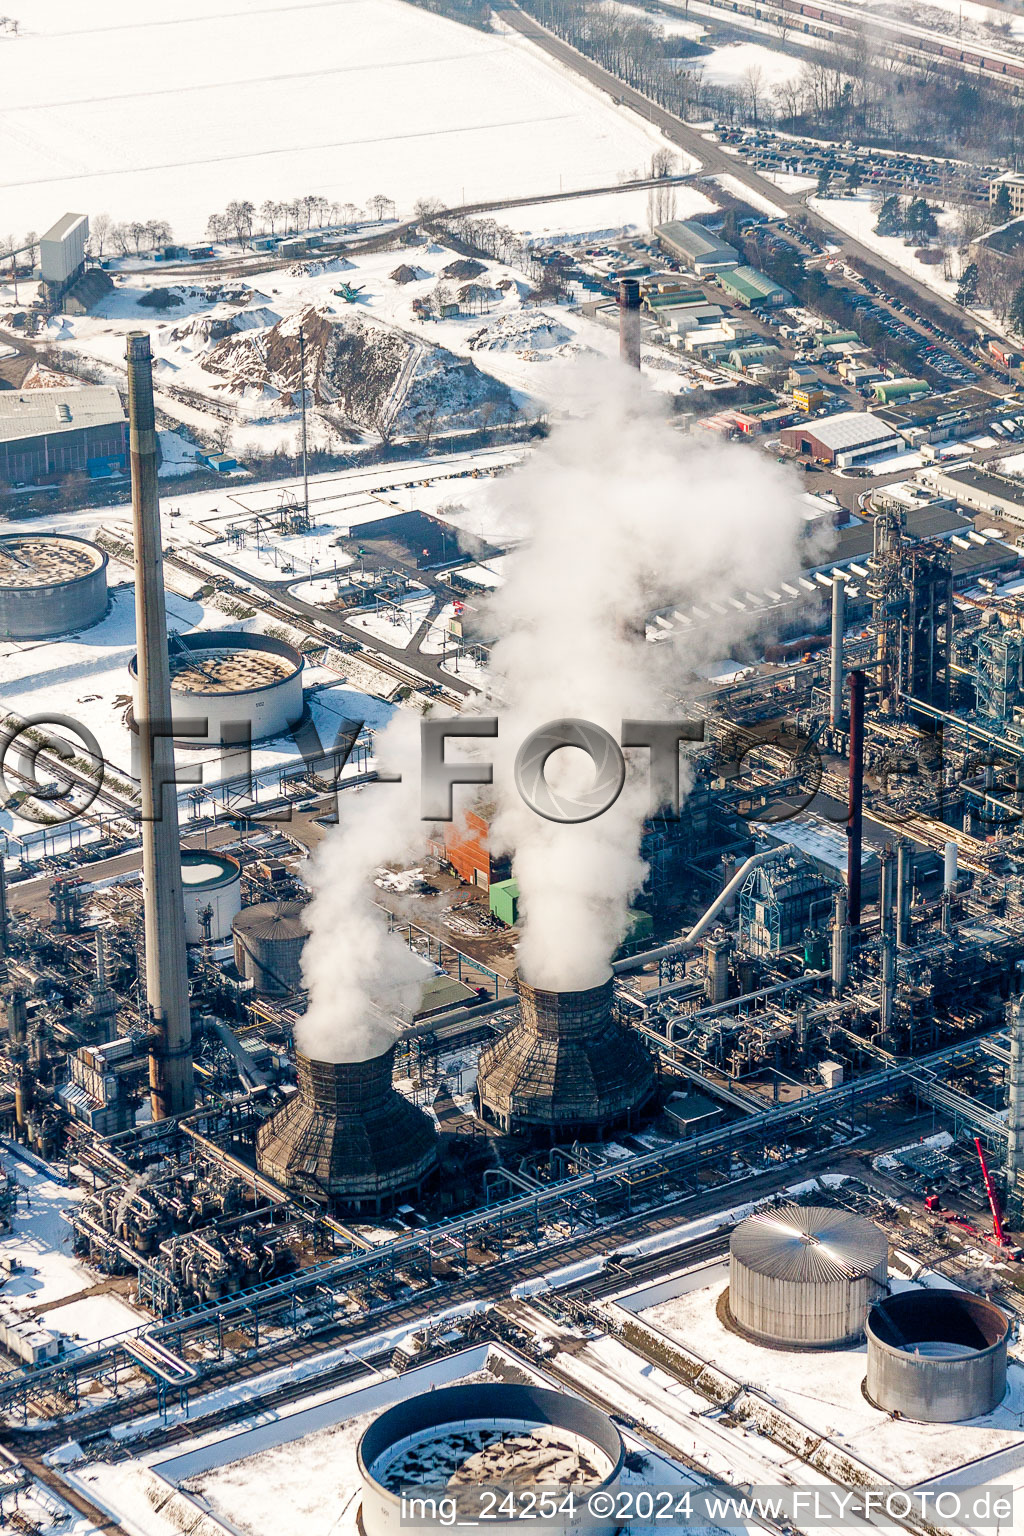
(511, 773)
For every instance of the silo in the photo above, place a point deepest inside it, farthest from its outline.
(936, 1355)
(347, 1138)
(269, 940)
(804, 1276)
(484, 1435)
(50, 584)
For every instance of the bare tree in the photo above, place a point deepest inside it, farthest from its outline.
(755, 86)
(379, 206)
(218, 227)
(240, 216)
(268, 213)
(99, 233)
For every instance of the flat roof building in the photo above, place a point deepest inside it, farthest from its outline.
(748, 286)
(846, 439)
(691, 243)
(47, 433)
(1013, 181)
(940, 416)
(981, 489)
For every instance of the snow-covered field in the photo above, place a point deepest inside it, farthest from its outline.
(172, 110)
(743, 65)
(857, 216)
(608, 214)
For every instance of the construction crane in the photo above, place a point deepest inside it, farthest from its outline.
(1002, 1241)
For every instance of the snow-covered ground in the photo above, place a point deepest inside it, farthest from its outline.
(749, 66)
(823, 1390)
(40, 1242)
(608, 215)
(261, 99)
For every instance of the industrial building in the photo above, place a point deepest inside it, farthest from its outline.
(753, 289)
(62, 254)
(935, 418)
(696, 247)
(981, 489)
(850, 438)
(50, 584)
(48, 433)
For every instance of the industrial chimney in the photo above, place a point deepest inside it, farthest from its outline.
(170, 1053)
(629, 321)
(565, 1067)
(347, 1138)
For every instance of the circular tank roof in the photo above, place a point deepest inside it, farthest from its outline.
(272, 920)
(228, 669)
(201, 870)
(46, 560)
(809, 1243)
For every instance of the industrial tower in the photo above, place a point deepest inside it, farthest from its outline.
(170, 1052)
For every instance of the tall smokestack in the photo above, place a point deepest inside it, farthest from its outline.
(629, 322)
(838, 624)
(170, 1056)
(854, 823)
(5, 934)
(904, 878)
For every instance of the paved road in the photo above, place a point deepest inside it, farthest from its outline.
(716, 160)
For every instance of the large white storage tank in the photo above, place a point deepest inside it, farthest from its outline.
(210, 880)
(804, 1276)
(482, 1435)
(228, 679)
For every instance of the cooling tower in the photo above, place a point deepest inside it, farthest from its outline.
(347, 1138)
(566, 1067)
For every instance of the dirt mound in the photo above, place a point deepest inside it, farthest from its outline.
(525, 332)
(380, 378)
(463, 270)
(406, 274)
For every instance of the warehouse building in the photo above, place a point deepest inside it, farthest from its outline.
(753, 289)
(980, 490)
(844, 440)
(957, 414)
(48, 433)
(696, 246)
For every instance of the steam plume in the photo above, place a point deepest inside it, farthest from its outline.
(624, 516)
(359, 974)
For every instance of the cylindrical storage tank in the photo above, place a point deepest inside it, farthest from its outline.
(210, 880)
(50, 584)
(269, 940)
(482, 1435)
(804, 1276)
(937, 1356)
(347, 1137)
(231, 680)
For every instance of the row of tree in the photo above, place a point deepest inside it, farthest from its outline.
(242, 221)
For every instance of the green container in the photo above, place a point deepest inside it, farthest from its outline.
(503, 900)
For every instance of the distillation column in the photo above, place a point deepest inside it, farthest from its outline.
(170, 1056)
(1015, 1116)
(835, 713)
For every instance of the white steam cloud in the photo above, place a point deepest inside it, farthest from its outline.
(624, 515)
(359, 974)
